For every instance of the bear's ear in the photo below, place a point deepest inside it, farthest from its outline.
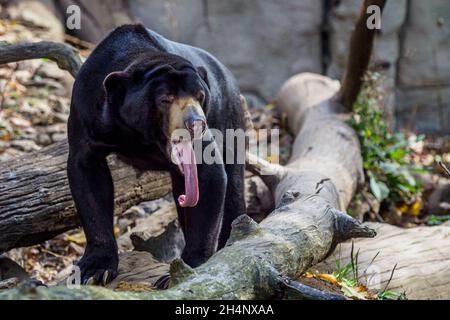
(203, 74)
(115, 86)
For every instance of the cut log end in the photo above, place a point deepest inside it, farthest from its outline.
(179, 272)
(348, 228)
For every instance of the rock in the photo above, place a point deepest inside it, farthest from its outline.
(139, 271)
(50, 70)
(93, 13)
(10, 269)
(424, 69)
(43, 139)
(4, 145)
(28, 134)
(10, 154)
(439, 201)
(56, 137)
(23, 76)
(25, 145)
(48, 83)
(147, 208)
(38, 14)
(37, 111)
(254, 101)
(165, 247)
(424, 109)
(56, 128)
(123, 224)
(263, 42)
(62, 104)
(425, 60)
(19, 122)
(159, 234)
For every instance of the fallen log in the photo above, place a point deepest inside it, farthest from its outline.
(420, 256)
(36, 204)
(35, 199)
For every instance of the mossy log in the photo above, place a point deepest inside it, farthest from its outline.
(413, 261)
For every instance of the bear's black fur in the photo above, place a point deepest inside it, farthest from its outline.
(123, 115)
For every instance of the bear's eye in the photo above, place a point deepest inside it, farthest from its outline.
(165, 100)
(200, 97)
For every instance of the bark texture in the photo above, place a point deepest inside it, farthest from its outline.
(420, 256)
(35, 199)
(361, 45)
(64, 55)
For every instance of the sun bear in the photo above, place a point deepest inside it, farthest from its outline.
(133, 92)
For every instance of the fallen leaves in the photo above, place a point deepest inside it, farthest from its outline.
(327, 277)
(133, 287)
(356, 292)
(78, 238)
(413, 209)
(347, 287)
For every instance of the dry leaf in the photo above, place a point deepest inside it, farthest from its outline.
(77, 238)
(327, 277)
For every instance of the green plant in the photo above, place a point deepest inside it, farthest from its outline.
(390, 295)
(437, 220)
(348, 278)
(386, 155)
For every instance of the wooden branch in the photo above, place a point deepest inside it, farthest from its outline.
(361, 45)
(36, 203)
(446, 170)
(422, 256)
(270, 173)
(64, 55)
(298, 291)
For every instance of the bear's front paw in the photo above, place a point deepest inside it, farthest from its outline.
(98, 268)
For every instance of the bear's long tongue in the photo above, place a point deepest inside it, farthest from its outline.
(188, 164)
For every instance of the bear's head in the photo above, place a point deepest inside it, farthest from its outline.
(163, 99)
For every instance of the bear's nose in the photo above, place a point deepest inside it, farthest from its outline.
(196, 125)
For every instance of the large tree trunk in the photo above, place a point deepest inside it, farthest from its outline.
(420, 256)
(35, 199)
